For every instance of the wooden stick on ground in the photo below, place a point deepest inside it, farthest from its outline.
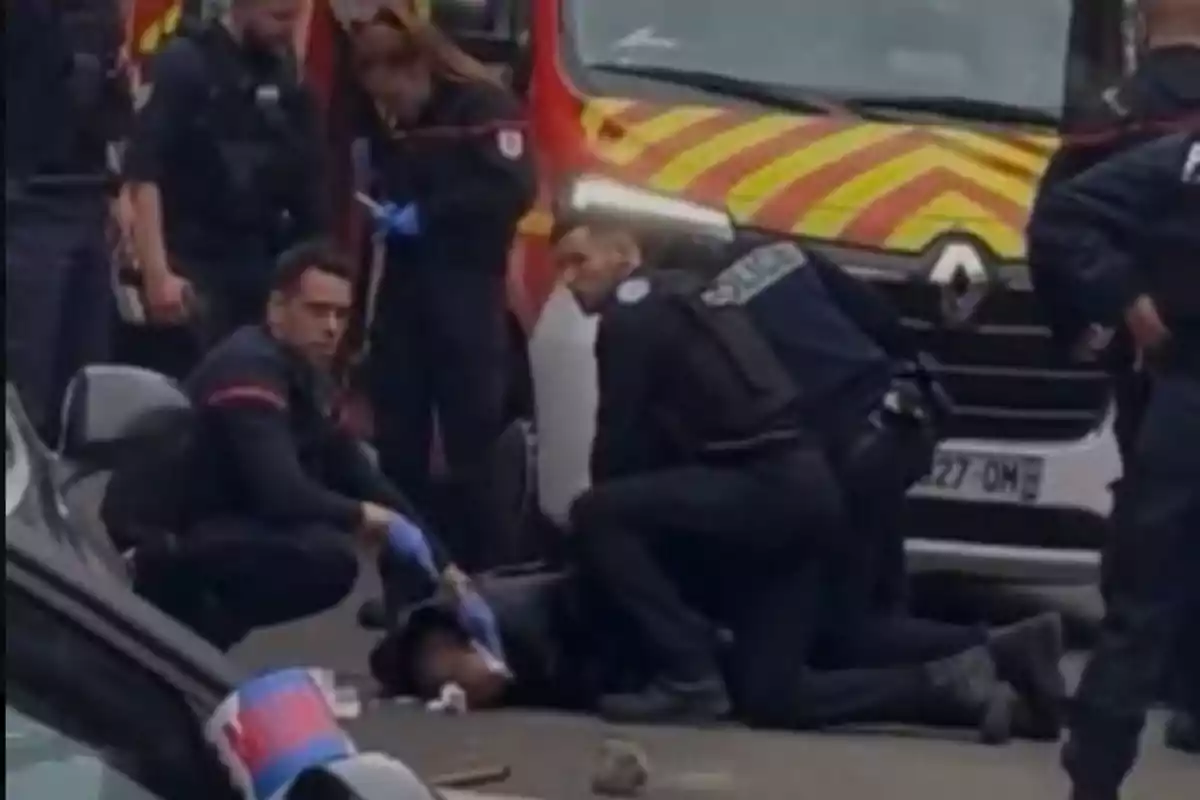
(471, 778)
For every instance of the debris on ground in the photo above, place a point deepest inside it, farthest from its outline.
(623, 770)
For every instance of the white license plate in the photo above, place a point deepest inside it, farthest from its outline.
(983, 477)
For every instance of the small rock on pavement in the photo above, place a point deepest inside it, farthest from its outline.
(622, 770)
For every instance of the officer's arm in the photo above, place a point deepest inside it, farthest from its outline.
(498, 181)
(625, 437)
(1099, 134)
(867, 308)
(1096, 219)
(176, 83)
(248, 405)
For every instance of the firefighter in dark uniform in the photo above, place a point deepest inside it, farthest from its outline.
(223, 168)
(1161, 96)
(67, 104)
(452, 174)
(274, 491)
(1128, 232)
(726, 448)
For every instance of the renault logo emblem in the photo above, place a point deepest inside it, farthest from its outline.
(963, 279)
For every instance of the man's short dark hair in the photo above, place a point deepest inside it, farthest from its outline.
(320, 255)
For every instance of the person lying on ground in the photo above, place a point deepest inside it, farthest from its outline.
(901, 670)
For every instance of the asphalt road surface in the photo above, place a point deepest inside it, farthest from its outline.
(551, 756)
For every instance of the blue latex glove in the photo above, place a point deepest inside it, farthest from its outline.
(402, 220)
(407, 541)
(480, 623)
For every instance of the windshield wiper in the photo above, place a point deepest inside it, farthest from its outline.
(965, 107)
(804, 101)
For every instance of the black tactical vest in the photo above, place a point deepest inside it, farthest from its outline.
(100, 94)
(243, 141)
(740, 399)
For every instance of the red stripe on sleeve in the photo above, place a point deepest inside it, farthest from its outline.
(246, 394)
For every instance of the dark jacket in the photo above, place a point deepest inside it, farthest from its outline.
(231, 137)
(1162, 96)
(37, 73)
(1131, 226)
(830, 338)
(267, 443)
(546, 640)
(468, 165)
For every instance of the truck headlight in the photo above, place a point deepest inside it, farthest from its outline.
(592, 195)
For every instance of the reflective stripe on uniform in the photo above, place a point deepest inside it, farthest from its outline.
(246, 394)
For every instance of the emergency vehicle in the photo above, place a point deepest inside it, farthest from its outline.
(905, 140)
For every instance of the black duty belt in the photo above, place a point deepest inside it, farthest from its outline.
(66, 183)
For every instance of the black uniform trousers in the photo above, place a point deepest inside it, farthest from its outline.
(229, 294)
(57, 295)
(763, 541)
(439, 347)
(877, 463)
(1131, 392)
(1149, 571)
(228, 576)
(802, 660)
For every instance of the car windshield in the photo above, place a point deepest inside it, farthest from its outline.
(981, 56)
(42, 763)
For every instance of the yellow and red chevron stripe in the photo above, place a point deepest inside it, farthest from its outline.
(880, 185)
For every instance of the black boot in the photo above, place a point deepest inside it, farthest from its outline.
(965, 690)
(1028, 656)
(1080, 793)
(1183, 732)
(667, 702)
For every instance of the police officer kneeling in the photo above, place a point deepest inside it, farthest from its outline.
(275, 491)
(1127, 233)
(706, 445)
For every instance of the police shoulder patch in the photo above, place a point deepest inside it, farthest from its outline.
(754, 273)
(511, 143)
(632, 290)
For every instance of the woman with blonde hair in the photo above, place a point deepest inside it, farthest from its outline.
(451, 176)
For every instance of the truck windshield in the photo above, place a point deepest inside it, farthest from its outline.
(976, 58)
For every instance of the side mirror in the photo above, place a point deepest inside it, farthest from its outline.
(110, 408)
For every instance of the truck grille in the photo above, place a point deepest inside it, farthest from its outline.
(1007, 378)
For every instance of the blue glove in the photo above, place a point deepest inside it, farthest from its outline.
(480, 623)
(407, 541)
(396, 219)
